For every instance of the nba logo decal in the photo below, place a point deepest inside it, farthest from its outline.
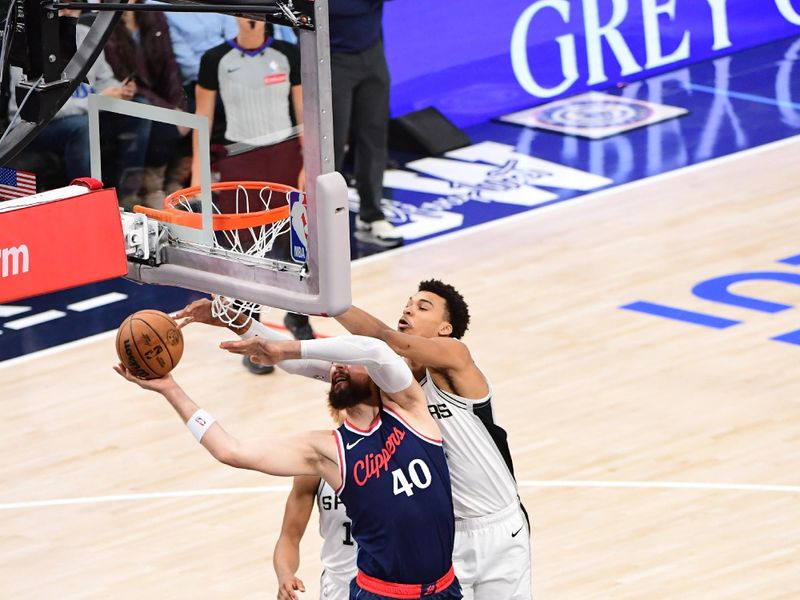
(299, 226)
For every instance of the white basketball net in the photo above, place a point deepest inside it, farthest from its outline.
(228, 309)
(263, 236)
(261, 240)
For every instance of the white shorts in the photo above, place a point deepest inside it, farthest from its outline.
(333, 586)
(492, 556)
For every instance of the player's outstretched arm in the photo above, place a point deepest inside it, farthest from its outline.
(389, 371)
(443, 353)
(246, 327)
(440, 353)
(309, 453)
(359, 322)
(286, 557)
(200, 311)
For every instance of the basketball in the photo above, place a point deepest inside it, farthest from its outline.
(149, 344)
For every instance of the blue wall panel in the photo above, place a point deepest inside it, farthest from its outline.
(475, 60)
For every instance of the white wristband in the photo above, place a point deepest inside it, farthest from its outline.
(199, 423)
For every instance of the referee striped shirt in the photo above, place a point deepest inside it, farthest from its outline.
(255, 87)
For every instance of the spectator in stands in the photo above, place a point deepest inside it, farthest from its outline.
(140, 50)
(192, 34)
(67, 134)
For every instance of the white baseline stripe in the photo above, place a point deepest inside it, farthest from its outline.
(43, 317)
(665, 485)
(526, 214)
(145, 496)
(91, 303)
(272, 489)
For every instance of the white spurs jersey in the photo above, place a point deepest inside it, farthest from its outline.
(338, 553)
(481, 472)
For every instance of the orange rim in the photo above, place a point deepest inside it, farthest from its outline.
(224, 222)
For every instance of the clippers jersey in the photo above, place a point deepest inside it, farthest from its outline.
(481, 470)
(396, 487)
(338, 553)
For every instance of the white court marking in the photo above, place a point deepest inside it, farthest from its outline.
(37, 319)
(97, 301)
(273, 489)
(9, 310)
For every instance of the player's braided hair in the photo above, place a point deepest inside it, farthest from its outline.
(457, 310)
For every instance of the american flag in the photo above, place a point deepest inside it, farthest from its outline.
(15, 184)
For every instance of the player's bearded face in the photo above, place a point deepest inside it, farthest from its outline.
(349, 386)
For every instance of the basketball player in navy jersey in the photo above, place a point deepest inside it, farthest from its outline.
(338, 554)
(386, 461)
(492, 555)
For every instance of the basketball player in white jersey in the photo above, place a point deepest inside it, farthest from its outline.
(338, 552)
(492, 556)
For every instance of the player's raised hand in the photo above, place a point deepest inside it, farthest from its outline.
(200, 311)
(264, 352)
(154, 385)
(287, 587)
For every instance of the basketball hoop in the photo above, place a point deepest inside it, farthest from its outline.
(248, 217)
(245, 226)
(178, 208)
(307, 270)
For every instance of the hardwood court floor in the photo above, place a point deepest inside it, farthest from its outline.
(590, 394)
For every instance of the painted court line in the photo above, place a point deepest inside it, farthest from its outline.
(145, 496)
(271, 489)
(9, 310)
(741, 96)
(42, 317)
(101, 300)
(665, 485)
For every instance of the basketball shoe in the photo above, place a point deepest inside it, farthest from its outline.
(298, 326)
(379, 232)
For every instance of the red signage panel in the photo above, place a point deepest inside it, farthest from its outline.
(60, 244)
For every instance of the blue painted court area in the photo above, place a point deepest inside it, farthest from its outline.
(735, 103)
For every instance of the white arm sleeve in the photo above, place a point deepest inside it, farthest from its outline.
(316, 369)
(386, 368)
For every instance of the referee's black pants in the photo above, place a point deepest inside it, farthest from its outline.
(360, 91)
